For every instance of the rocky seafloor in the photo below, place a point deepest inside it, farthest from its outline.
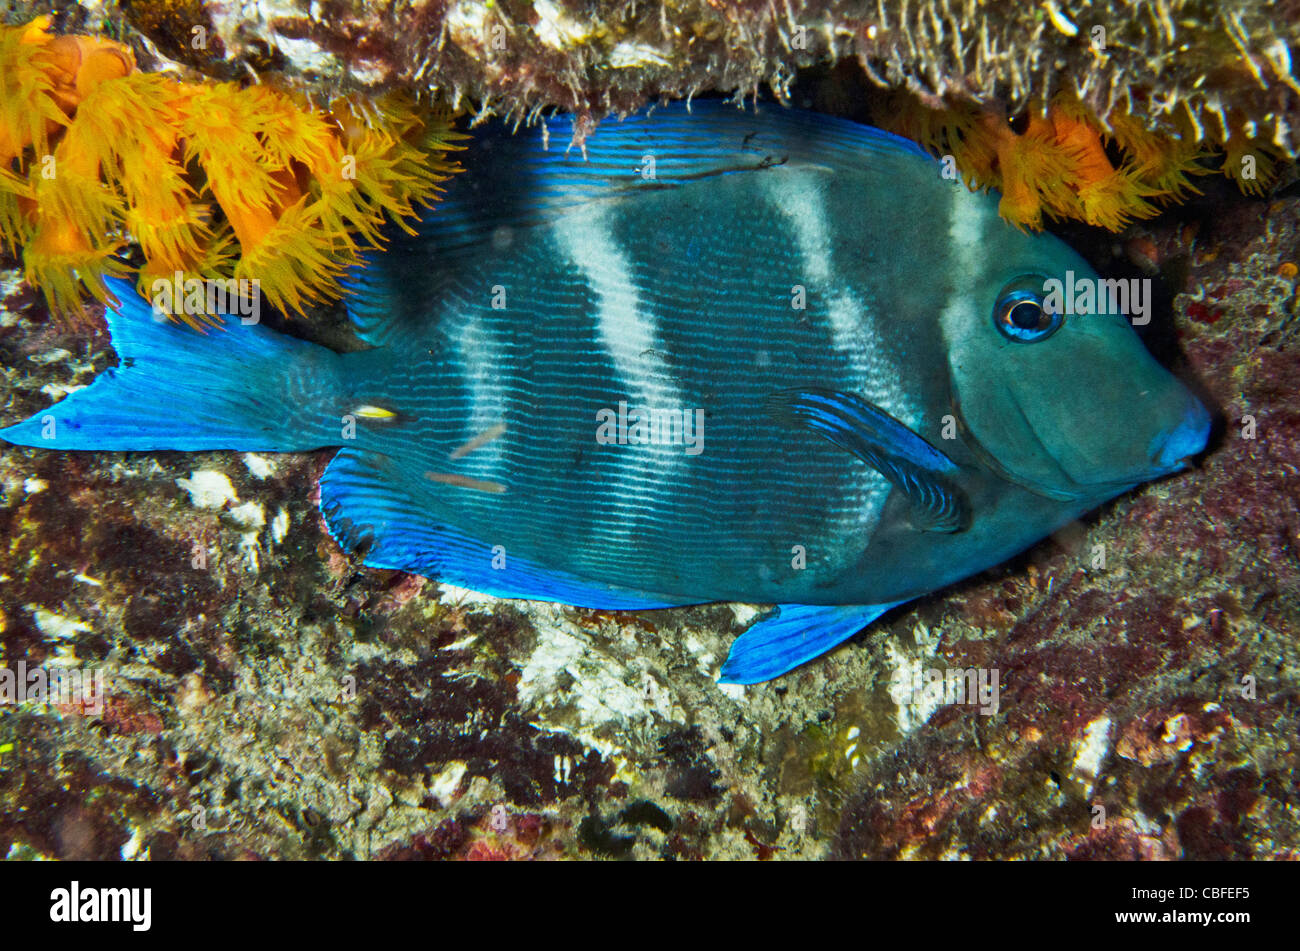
(268, 697)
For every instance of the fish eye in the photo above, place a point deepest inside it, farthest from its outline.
(1022, 313)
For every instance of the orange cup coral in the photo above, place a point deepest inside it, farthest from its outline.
(212, 180)
(1064, 162)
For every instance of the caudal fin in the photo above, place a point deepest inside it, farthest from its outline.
(234, 387)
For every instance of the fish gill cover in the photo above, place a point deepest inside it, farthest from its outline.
(440, 723)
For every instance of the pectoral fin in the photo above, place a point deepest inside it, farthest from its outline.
(792, 635)
(914, 467)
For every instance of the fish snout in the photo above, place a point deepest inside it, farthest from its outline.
(1173, 447)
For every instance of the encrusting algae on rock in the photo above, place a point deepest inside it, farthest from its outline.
(212, 180)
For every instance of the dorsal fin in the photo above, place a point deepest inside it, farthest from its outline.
(518, 181)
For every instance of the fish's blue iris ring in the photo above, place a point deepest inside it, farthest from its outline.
(1022, 317)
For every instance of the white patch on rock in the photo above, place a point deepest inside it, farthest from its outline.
(131, 848)
(454, 595)
(57, 355)
(910, 665)
(260, 466)
(734, 692)
(211, 489)
(567, 671)
(11, 280)
(279, 525)
(249, 550)
(443, 786)
(250, 516)
(626, 55)
(56, 626)
(705, 659)
(555, 28)
(57, 391)
(208, 489)
(1092, 751)
(366, 75)
(1144, 824)
(306, 54)
(463, 644)
(466, 24)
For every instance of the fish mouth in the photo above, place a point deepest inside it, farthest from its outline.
(1172, 451)
(1175, 449)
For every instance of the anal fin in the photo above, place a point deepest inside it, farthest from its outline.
(793, 635)
(369, 507)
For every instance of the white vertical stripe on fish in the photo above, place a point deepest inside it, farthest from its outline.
(966, 245)
(853, 331)
(872, 374)
(627, 329)
(481, 361)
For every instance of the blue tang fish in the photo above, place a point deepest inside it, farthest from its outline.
(760, 356)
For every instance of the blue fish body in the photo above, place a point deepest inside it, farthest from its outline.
(726, 356)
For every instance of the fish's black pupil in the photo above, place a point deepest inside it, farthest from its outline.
(1027, 315)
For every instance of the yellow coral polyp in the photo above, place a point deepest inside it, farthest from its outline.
(1061, 164)
(77, 64)
(210, 179)
(1251, 163)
